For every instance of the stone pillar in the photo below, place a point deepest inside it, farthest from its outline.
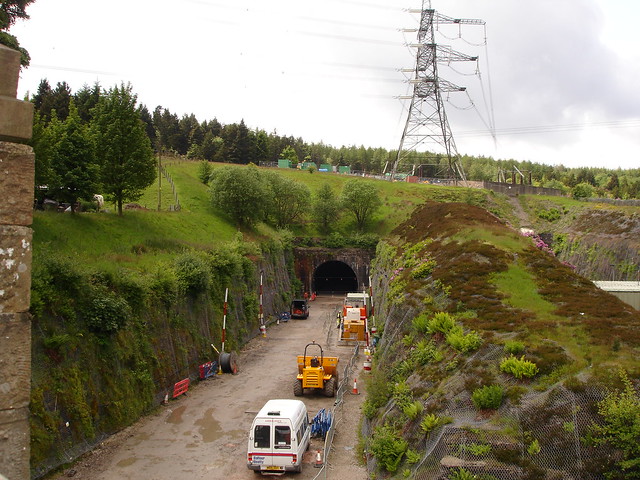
(16, 212)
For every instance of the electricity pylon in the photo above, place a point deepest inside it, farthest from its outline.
(427, 120)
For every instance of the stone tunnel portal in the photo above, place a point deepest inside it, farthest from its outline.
(334, 277)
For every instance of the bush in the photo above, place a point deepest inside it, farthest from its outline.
(107, 313)
(461, 474)
(620, 411)
(388, 448)
(204, 171)
(489, 396)
(432, 421)
(518, 367)
(193, 273)
(582, 190)
(513, 347)
(441, 322)
(402, 395)
(421, 323)
(412, 410)
(424, 269)
(461, 342)
(424, 352)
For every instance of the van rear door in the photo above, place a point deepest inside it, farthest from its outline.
(272, 449)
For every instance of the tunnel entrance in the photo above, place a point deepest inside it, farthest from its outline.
(334, 277)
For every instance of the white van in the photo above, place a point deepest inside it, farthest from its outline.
(279, 436)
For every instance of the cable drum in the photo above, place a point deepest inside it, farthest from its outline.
(229, 362)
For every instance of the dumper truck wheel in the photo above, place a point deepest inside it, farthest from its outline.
(297, 388)
(330, 388)
(228, 362)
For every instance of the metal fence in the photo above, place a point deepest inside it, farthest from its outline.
(337, 409)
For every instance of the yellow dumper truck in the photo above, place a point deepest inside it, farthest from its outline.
(316, 371)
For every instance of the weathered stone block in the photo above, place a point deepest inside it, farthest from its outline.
(16, 119)
(14, 444)
(16, 182)
(10, 71)
(15, 361)
(15, 268)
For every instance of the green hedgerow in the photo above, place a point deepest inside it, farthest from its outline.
(489, 396)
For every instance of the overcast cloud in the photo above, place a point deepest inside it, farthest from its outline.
(558, 78)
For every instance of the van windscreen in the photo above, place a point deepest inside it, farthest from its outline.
(261, 436)
(282, 437)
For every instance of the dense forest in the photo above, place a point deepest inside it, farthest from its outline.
(237, 143)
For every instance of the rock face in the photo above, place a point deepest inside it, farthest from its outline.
(16, 183)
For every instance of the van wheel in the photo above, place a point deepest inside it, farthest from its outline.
(297, 388)
(330, 388)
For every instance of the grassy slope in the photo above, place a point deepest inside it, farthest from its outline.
(140, 239)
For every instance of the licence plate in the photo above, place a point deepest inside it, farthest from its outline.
(272, 467)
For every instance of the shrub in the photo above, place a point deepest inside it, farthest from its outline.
(620, 411)
(441, 322)
(106, 313)
(518, 367)
(412, 456)
(402, 395)
(461, 342)
(388, 448)
(462, 474)
(424, 352)
(489, 396)
(424, 269)
(413, 409)
(421, 323)
(432, 421)
(204, 171)
(476, 449)
(193, 273)
(513, 347)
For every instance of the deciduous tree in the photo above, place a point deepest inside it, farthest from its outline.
(289, 199)
(326, 208)
(361, 199)
(10, 11)
(240, 193)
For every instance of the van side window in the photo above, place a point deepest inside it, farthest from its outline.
(261, 436)
(282, 437)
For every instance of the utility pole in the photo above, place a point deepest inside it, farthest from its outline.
(427, 120)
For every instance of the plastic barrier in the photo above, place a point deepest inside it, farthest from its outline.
(180, 387)
(321, 423)
(208, 369)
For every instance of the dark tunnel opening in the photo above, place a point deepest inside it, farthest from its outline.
(334, 277)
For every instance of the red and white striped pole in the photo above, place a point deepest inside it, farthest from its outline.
(224, 318)
(263, 328)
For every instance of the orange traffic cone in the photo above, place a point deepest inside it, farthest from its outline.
(355, 387)
(318, 462)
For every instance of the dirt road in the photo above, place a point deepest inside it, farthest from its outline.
(203, 435)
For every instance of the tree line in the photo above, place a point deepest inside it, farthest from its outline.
(236, 143)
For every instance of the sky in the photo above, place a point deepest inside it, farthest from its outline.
(554, 83)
